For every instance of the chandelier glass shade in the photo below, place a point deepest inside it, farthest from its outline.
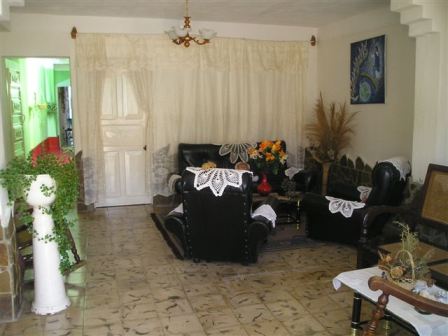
(181, 35)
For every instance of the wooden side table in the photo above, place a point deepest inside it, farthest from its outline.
(439, 273)
(288, 206)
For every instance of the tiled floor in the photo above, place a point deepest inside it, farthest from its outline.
(133, 285)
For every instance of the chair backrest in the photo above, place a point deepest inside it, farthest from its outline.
(217, 226)
(432, 221)
(194, 155)
(387, 185)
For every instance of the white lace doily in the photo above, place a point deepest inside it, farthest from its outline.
(364, 193)
(217, 179)
(267, 212)
(179, 209)
(401, 164)
(291, 171)
(236, 151)
(343, 206)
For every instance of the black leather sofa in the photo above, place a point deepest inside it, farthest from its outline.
(194, 155)
(218, 227)
(387, 189)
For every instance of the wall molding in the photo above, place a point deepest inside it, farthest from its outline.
(422, 16)
(5, 6)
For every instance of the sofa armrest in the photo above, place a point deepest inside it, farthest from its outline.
(367, 249)
(176, 225)
(371, 213)
(258, 231)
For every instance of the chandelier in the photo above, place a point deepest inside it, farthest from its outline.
(181, 35)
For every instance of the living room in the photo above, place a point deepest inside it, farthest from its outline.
(414, 69)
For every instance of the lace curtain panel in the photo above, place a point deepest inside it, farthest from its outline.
(231, 91)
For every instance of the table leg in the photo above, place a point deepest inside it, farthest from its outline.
(387, 322)
(356, 313)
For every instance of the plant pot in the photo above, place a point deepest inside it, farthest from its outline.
(325, 172)
(49, 289)
(264, 188)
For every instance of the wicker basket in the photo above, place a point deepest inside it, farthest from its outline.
(407, 282)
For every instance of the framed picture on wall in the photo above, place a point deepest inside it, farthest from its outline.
(367, 71)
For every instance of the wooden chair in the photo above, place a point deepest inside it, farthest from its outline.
(389, 288)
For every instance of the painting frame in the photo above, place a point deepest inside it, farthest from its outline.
(435, 191)
(368, 71)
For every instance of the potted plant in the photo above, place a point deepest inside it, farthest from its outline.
(49, 184)
(329, 134)
(268, 156)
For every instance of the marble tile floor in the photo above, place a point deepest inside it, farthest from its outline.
(133, 285)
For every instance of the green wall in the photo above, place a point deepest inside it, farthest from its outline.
(39, 80)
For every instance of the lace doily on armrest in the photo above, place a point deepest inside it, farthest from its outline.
(291, 171)
(401, 164)
(217, 179)
(236, 151)
(343, 206)
(179, 209)
(364, 193)
(267, 212)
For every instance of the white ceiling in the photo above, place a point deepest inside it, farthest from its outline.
(310, 13)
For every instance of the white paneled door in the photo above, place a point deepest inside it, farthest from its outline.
(123, 129)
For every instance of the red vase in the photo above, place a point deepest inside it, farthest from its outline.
(264, 188)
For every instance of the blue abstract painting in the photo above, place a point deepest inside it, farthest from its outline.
(367, 71)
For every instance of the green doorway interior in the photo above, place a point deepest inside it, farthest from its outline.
(38, 94)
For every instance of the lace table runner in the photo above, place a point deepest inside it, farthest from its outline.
(217, 179)
(343, 206)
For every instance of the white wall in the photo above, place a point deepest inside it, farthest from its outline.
(382, 130)
(5, 210)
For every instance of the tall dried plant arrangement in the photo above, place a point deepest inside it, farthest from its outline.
(331, 131)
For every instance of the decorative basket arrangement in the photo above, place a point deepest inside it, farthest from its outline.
(405, 266)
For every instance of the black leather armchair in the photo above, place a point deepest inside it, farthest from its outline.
(387, 189)
(218, 227)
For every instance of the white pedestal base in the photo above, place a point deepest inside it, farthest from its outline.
(49, 288)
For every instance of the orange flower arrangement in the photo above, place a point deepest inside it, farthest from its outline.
(268, 155)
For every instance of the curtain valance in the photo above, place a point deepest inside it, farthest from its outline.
(121, 53)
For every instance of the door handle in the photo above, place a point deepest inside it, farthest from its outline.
(144, 147)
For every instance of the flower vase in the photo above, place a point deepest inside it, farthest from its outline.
(264, 188)
(325, 172)
(49, 289)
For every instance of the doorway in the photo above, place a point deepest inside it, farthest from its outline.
(38, 94)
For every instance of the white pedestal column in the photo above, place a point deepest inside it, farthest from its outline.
(49, 289)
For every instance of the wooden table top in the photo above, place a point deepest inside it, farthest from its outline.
(437, 255)
(439, 273)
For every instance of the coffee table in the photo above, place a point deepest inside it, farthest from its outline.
(398, 311)
(287, 208)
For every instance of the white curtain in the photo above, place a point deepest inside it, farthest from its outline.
(230, 91)
(90, 55)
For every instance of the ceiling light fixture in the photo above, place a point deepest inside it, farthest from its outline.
(181, 35)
